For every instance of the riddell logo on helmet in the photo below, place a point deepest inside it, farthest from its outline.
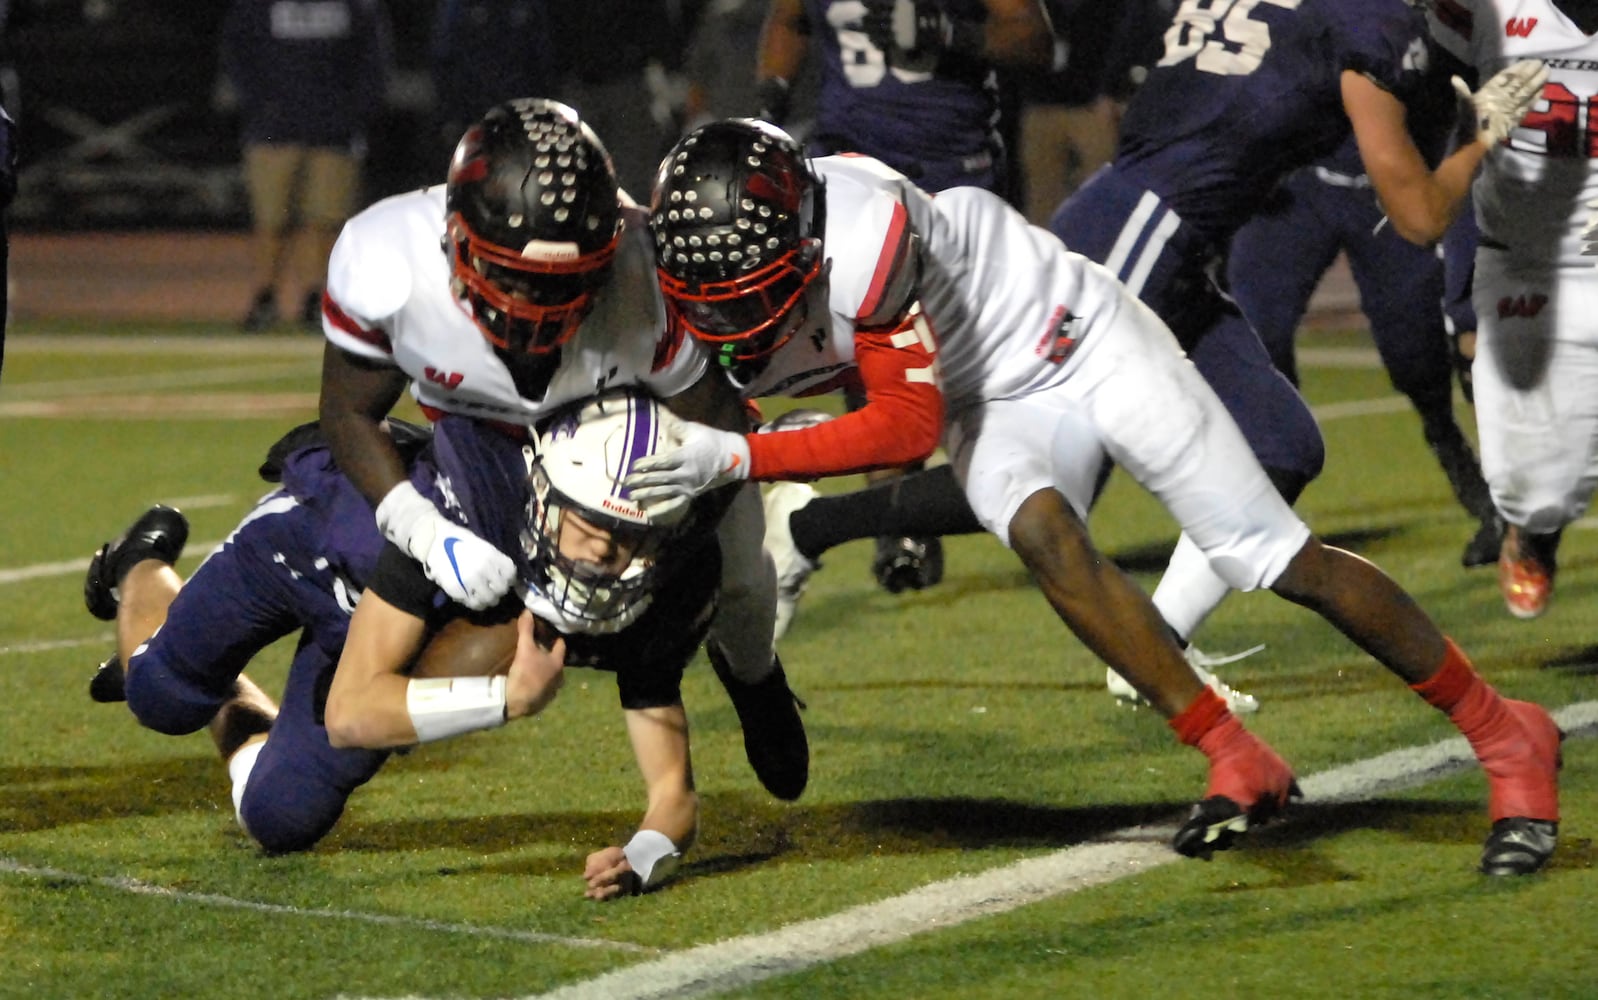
(630, 511)
(550, 252)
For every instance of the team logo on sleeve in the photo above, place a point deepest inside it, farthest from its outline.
(1060, 339)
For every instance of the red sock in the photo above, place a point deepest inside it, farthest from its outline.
(1199, 719)
(1242, 768)
(1516, 741)
(1457, 690)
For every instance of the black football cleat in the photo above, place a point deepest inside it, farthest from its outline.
(1218, 822)
(159, 533)
(774, 735)
(908, 563)
(107, 686)
(1519, 846)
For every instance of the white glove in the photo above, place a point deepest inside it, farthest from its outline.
(468, 569)
(1503, 101)
(704, 459)
(1589, 236)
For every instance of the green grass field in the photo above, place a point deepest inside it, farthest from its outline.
(954, 732)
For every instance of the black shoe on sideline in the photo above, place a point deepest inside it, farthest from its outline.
(262, 314)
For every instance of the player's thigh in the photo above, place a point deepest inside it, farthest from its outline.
(1401, 291)
(1003, 451)
(332, 186)
(270, 173)
(1536, 374)
(1165, 426)
(1274, 264)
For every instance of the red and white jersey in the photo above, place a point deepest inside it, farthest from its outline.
(1532, 192)
(389, 300)
(998, 308)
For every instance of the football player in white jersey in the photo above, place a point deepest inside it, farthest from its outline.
(525, 282)
(1536, 367)
(1036, 366)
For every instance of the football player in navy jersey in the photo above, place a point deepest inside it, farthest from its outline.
(913, 83)
(603, 582)
(1277, 259)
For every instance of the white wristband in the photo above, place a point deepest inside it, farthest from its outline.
(653, 857)
(441, 707)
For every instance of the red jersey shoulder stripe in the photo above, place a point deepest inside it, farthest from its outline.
(341, 320)
(887, 259)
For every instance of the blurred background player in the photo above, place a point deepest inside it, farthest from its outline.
(1535, 373)
(1207, 137)
(486, 52)
(1278, 258)
(524, 282)
(915, 84)
(310, 79)
(1070, 114)
(10, 106)
(604, 583)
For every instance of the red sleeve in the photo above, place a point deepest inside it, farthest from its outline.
(900, 424)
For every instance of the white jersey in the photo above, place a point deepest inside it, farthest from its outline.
(1532, 192)
(389, 282)
(1009, 306)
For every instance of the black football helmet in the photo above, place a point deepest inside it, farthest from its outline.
(533, 222)
(738, 218)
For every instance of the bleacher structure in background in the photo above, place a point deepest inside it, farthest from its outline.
(127, 122)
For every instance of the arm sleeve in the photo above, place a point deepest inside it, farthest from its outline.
(900, 424)
(400, 580)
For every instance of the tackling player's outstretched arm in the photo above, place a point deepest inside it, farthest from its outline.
(356, 396)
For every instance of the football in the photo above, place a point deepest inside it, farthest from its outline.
(465, 649)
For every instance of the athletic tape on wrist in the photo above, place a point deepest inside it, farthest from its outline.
(654, 858)
(441, 707)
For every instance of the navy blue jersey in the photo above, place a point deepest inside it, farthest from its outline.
(939, 128)
(477, 476)
(1246, 92)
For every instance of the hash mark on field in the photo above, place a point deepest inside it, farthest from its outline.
(740, 962)
(68, 566)
(124, 884)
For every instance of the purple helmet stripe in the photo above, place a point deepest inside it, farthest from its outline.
(640, 434)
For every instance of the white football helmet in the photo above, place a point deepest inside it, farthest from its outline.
(583, 455)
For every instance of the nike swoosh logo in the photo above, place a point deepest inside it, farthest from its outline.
(449, 550)
(737, 460)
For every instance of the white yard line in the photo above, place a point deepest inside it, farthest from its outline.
(124, 884)
(739, 962)
(23, 573)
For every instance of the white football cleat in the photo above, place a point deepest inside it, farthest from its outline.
(1240, 702)
(793, 569)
